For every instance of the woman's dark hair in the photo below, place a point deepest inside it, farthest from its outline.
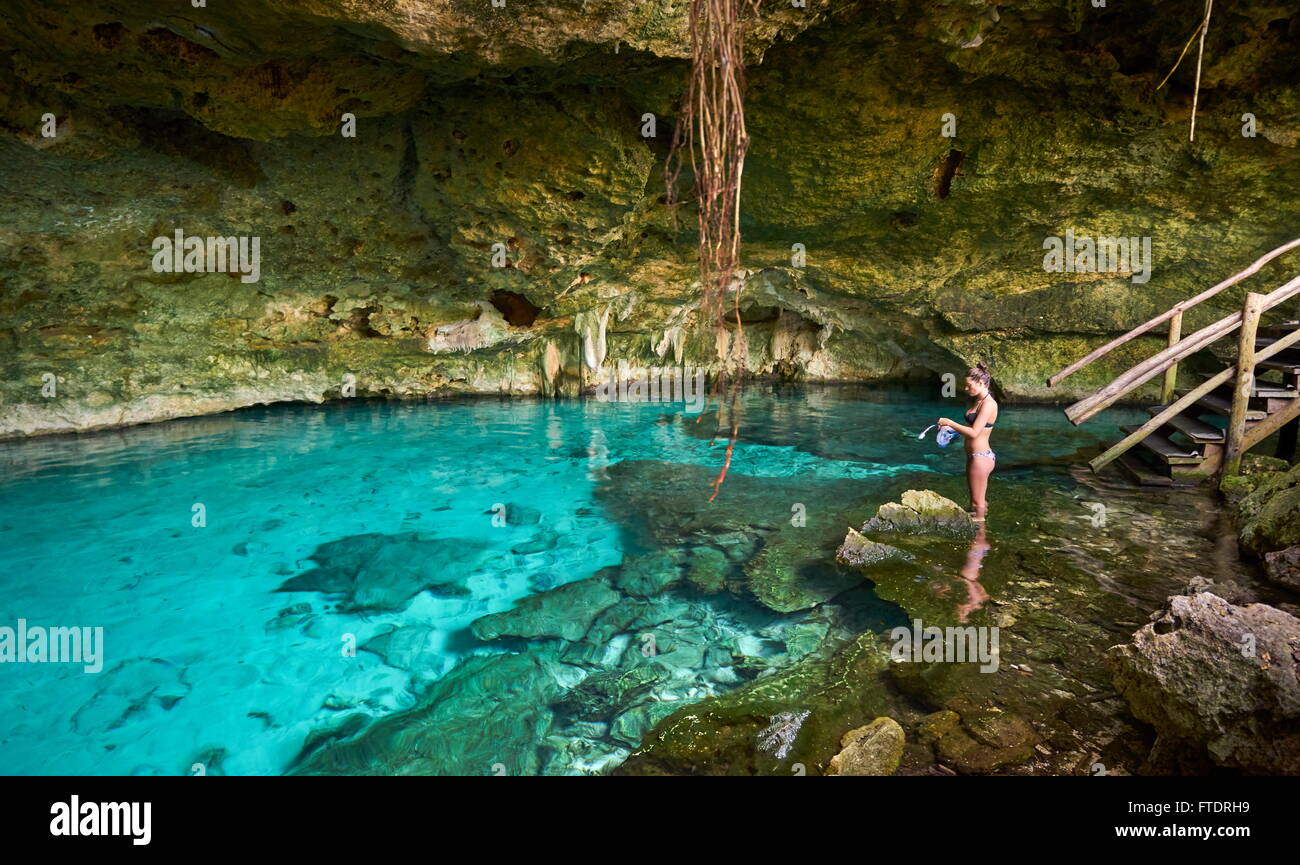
(980, 373)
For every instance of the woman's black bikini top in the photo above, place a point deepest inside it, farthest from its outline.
(971, 415)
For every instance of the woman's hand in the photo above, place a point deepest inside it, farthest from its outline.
(943, 421)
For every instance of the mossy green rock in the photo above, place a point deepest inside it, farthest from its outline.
(1269, 515)
(790, 722)
(922, 512)
(860, 552)
(984, 742)
(519, 127)
(875, 749)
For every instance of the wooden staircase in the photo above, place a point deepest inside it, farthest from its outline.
(1203, 431)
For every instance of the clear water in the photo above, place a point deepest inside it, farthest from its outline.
(97, 530)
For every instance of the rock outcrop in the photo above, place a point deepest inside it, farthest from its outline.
(418, 177)
(922, 512)
(875, 749)
(1219, 680)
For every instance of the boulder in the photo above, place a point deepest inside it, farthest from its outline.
(1218, 679)
(874, 749)
(922, 512)
(1283, 567)
(858, 551)
(1269, 515)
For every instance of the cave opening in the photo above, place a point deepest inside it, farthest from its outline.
(517, 310)
(946, 171)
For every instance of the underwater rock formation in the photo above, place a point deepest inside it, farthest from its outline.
(383, 572)
(791, 719)
(1219, 680)
(488, 160)
(782, 562)
(482, 718)
(565, 612)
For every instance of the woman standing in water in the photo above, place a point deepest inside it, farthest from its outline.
(979, 423)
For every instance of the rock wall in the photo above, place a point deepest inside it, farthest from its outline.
(518, 137)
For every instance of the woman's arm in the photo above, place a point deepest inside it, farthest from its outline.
(981, 421)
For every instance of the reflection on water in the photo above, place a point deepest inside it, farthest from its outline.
(970, 572)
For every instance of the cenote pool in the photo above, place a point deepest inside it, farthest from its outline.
(318, 616)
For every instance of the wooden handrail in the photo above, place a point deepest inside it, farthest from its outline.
(1171, 312)
(1215, 381)
(1157, 363)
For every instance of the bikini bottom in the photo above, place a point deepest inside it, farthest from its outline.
(988, 454)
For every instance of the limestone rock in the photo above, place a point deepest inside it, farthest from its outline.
(1272, 514)
(985, 741)
(874, 749)
(463, 725)
(1283, 567)
(860, 552)
(565, 612)
(1218, 679)
(922, 512)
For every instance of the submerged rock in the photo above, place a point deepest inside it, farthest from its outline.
(383, 572)
(485, 717)
(647, 576)
(601, 696)
(922, 512)
(131, 692)
(1217, 679)
(784, 723)
(565, 612)
(875, 749)
(783, 565)
(982, 742)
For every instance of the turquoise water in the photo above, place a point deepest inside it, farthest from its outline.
(209, 661)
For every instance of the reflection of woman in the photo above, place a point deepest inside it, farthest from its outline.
(975, 594)
(979, 424)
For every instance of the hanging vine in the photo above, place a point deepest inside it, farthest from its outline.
(711, 131)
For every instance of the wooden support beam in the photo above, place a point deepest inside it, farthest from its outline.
(1190, 397)
(1244, 381)
(1269, 425)
(1157, 363)
(1171, 374)
(1176, 309)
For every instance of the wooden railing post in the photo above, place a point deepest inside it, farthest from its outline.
(1171, 374)
(1244, 382)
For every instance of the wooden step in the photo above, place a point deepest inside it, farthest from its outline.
(1290, 352)
(1282, 328)
(1166, 450)
(1140, 473)
(1195, 429)
(1266, 389)
(1223, 405)
(1288, 367)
